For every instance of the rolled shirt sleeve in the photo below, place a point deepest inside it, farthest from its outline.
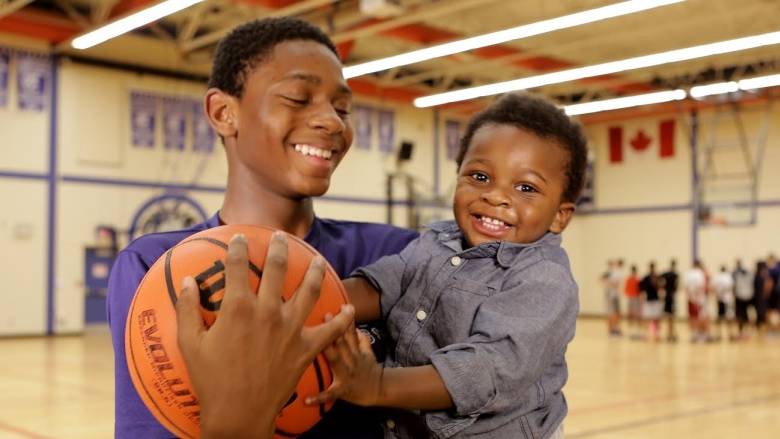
(389, 276)
(517, 334)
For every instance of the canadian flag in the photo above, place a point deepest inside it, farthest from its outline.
(640, 140)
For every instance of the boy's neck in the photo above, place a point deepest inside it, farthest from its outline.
(250, 204)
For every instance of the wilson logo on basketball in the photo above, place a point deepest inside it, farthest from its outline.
(209, 291)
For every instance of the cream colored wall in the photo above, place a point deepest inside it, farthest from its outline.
(23, 225)
(662, 230)
(23, 238)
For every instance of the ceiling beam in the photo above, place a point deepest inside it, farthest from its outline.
(42, 26)
(421, 13)
(292, 9)
(101, 11)
(8, 7)
(195, 15)
(74, 15)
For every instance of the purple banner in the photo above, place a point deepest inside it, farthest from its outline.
(5, 58)
(452, 138)
(32, 81)
(203, 136)
(386, 130)
(143, 119)
(363, 126)
(174, 123)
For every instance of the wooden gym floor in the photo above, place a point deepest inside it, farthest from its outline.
(62, 387)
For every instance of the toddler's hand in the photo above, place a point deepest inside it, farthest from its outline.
(357, 377)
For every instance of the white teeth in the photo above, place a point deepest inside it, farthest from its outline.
(313, 151)
(492, 223)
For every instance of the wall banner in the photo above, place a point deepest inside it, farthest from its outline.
(174, 123)
(143, 119)
(363, 126)
(452, 138)
(32, 80)
(203, 137)
(386, 130)
(5, 64)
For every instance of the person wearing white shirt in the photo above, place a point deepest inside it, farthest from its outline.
(723, 287)
(695, 282)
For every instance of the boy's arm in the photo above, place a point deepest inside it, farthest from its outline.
(364, 297)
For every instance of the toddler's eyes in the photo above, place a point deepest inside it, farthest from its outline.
(479, 176)
(525, 188)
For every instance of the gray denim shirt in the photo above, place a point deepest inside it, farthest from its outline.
(494, 320)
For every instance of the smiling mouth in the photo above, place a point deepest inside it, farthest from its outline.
(313, 151)
(493, 224)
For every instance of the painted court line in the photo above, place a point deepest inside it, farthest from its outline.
(679, 414)
(21, 432)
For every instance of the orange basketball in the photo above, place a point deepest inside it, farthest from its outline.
(153, 358)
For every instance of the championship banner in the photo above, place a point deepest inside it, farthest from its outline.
(5, 62)
(386, 130)
(203, 137)
(143, 119)
(32, 81)
(174, 123)
(452, 138)
(363, 126)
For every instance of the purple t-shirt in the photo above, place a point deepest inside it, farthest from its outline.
(346, 245)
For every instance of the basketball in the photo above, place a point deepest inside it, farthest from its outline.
(156, 365)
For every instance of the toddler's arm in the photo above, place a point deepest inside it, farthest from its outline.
(359, 379)
(364, 297)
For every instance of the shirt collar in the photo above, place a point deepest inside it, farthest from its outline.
(505, 252)
(312, 237)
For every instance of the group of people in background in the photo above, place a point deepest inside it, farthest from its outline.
(731, 300)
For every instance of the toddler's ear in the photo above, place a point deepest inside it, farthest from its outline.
(562, 217)
(222, 112)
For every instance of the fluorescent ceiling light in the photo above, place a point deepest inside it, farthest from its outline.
(626, 102)
(126, 24)
(729, 87)
(760, 82)
(714, 89)
(515, 33)
(602, 69)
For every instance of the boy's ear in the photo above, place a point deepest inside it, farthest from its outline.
(222, 111)
(563, 216)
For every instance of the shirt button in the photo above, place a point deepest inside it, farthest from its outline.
(421, 315)
(456, 260)
(390, 424)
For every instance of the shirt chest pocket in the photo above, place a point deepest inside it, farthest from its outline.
(465, 285)
(456, 308)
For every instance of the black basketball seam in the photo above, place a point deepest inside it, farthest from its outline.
(281, 432)
(146, 390)
(169, 277)
(320, 381)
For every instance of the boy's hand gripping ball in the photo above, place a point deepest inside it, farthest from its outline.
(155, 363)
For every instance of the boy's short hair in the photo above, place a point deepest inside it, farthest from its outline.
(542, 118)
(249, 44)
